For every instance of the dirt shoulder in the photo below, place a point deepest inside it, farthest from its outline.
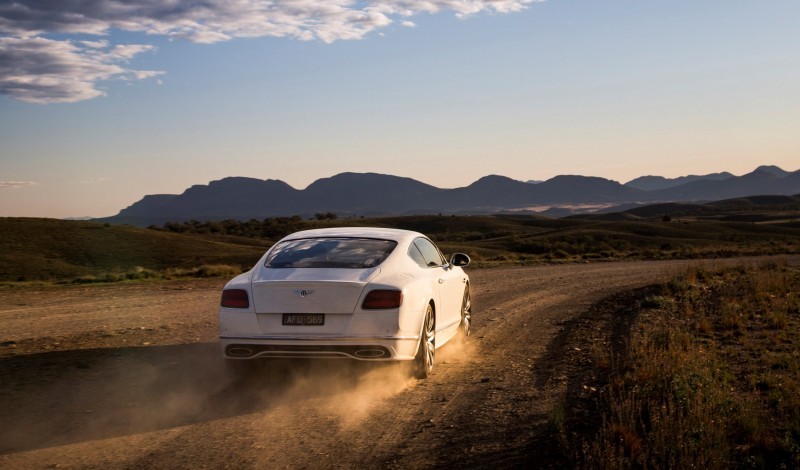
(130, 376)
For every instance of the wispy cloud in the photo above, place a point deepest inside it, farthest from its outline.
(68, 70)
(16, 184)
(92, 181)
(40, 70)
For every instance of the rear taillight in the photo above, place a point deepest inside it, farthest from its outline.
(378, 299)
(235, 298)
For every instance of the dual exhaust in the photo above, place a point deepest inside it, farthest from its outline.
(278, 351)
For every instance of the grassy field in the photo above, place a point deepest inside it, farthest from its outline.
(505, 239)
(709, 376)
(49, 249)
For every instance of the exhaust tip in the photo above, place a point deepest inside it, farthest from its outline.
(240, 352)
(370, 353)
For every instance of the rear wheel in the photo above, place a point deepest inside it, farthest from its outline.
(466, 315)
(426, 352)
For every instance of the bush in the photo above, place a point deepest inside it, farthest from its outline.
(708, 378)
(218, 270)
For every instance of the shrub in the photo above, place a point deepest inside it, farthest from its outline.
(218, 270)
(707, 378)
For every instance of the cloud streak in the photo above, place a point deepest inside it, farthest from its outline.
(92, 181)
(69, 70)
(16, 184)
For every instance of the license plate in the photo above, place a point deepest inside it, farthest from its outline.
(306, 319)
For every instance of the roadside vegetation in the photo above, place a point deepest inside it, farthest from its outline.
(139, 274)
(512, 239)
(60, 250)
(708, 376)
(57, 250)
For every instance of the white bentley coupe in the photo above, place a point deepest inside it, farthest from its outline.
(372, 294)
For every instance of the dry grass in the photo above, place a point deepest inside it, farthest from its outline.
(53, 250)
(139, 273)
(516, 239)
(711, 376)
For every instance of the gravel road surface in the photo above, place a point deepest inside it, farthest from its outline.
(130, 376)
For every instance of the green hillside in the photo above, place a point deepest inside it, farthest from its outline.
(52, 249)
(760, 209)
(501, 239)
(534, 240)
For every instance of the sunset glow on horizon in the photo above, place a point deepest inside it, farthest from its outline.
(103, 106)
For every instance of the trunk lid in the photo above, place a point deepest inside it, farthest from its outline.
(309, 290)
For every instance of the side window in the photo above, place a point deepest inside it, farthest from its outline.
(413, 253)
(429, 252)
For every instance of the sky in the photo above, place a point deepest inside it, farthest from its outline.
(104, 102)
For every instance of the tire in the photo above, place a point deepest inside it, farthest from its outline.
(466, 315)
(426, 352)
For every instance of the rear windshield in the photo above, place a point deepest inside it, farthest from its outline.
(350, 253)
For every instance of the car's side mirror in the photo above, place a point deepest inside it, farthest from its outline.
(459, 259)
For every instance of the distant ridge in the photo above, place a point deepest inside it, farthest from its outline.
(653, 183)
(373, 194)
(775, 170)
(758, 182)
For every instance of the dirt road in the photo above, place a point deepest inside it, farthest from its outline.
(130, 376)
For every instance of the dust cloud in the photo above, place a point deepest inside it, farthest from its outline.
(122, 395)
(64, 397)
(330, 405)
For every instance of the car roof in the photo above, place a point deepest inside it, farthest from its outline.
(357, 232)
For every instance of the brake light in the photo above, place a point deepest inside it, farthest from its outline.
(235, 298)
(380, 299)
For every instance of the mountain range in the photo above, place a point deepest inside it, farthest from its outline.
(372, 194)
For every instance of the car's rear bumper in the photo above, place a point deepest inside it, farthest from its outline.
(364, 348)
